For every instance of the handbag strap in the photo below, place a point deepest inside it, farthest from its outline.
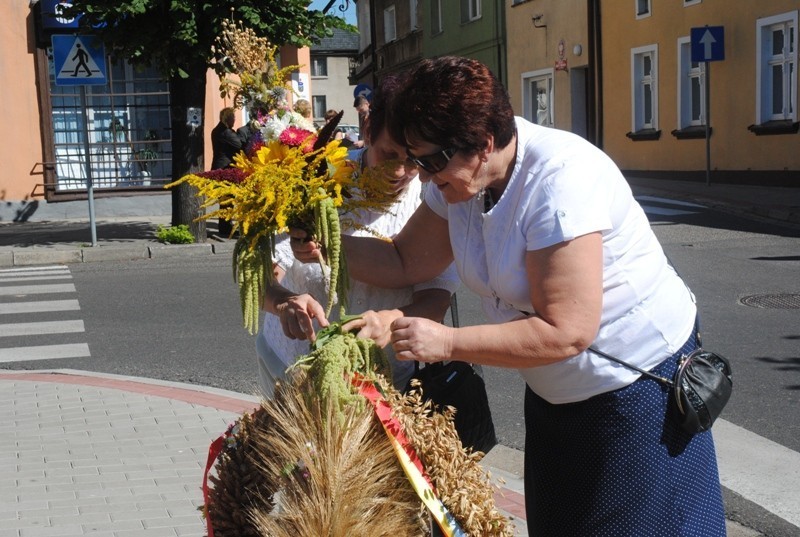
(648, 374)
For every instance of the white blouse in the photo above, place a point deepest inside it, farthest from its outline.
(563, 187)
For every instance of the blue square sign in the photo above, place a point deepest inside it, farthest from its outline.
(708, 44)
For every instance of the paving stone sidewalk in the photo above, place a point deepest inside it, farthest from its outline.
(105, 455)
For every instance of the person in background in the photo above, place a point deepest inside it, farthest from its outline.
(225, 143)
(543, 226)
(299, 287)
(253, 125)
(303, 107)
(361, 104)
(339, 134)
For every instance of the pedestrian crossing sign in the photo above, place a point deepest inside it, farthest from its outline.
(79, 60)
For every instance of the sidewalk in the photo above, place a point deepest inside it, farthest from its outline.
(93, 454)
(98, 454)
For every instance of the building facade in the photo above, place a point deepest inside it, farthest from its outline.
(123, 123)
(472, 28)
(331, 65)
(658, 98)
(551, 70)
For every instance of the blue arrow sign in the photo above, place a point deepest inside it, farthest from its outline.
(708, 44)
(79, 60)
(363, 89)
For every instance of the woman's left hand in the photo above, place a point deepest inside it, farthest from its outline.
(415, 338)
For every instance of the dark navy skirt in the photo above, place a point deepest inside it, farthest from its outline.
(618, 465)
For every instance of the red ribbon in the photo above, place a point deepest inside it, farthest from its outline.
(214, 450)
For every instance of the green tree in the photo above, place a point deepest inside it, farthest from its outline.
(176, 36)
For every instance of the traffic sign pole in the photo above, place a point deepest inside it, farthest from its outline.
(707, 45)
(708, 123)
(88, 163)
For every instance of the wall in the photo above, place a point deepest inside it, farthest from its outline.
(483, 39)
(533, 49)
(732, 82)
(20, 140)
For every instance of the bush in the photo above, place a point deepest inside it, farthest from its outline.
(175, 235)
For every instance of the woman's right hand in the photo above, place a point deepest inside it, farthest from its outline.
(297, 313)
(305, 250)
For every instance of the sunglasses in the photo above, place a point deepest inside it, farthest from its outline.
(435, 162)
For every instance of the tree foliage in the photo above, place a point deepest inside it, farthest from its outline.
(173, 34)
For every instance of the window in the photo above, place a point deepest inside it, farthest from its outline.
(537, 96)
(412, 7)
(470, 10)
(642, 8)
(691, 87)
(644, 89)
(436, 17)
(124, 125)
(776, 83)
(319, 105)
(319, 66)
(389, 27)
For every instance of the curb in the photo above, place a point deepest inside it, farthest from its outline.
(21, 257)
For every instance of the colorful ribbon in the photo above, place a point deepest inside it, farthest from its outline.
(409, 460)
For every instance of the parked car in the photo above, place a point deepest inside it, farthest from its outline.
(350, 131)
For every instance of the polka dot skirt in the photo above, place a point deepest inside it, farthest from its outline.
(617, 465)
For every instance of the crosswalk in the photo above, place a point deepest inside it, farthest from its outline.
(38, 310)
(656, 206)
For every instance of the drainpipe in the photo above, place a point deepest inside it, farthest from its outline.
(595, 71)
(373, 39)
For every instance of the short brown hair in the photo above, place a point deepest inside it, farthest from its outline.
(227, 114)
(330, 114)
(453, 102)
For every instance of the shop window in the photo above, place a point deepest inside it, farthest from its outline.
(537, 88)
(691, 93)
(124, 125)
(644, 89)
(436, 17)
(776, 79)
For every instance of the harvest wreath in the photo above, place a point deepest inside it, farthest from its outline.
(339, 452)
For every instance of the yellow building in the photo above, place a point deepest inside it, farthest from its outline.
(551, 78)
(124, 123)
(654, 105)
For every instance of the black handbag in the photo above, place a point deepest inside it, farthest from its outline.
(457, 384)
(701, 387)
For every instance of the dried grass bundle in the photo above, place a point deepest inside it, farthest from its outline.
(236, 488)
(338, 480)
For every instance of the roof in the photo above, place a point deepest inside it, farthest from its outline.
(341, 41)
